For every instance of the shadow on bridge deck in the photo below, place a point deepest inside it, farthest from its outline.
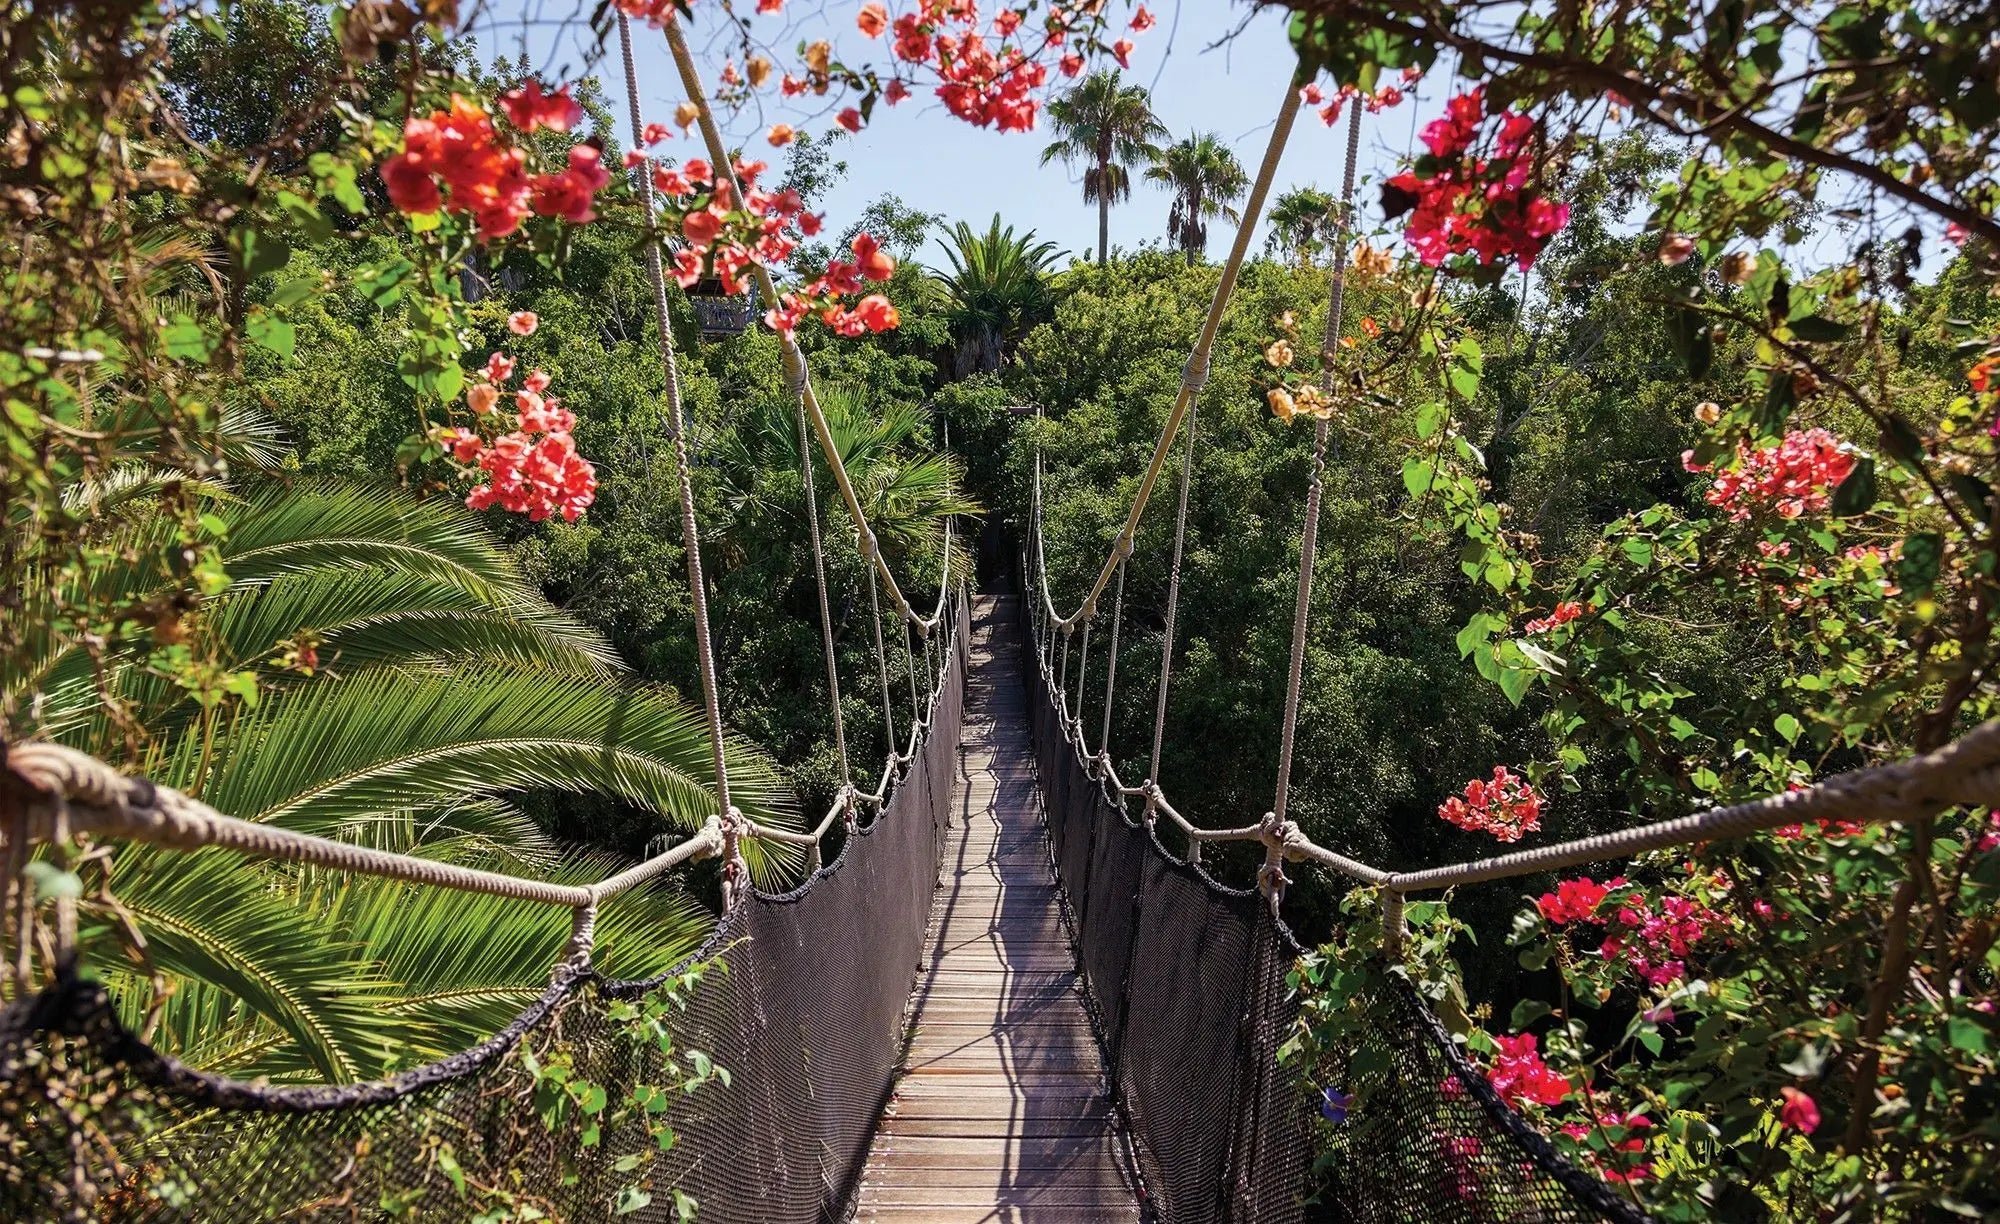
(1002, 1112)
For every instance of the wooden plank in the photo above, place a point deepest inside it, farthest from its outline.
(1001, 1112)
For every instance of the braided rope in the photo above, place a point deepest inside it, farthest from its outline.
(1309, 543)
(1173, 608)
(725, 171)
(677, 433)
(881, 662)
(56, 783)
(1111, 658)
(796, 372)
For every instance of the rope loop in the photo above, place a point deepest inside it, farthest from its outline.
(1122, 547)
(870, 547)
(1194, 374)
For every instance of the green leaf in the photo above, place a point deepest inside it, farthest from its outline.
(258, 253)
(1515, 683)
(1788, 727)
(1418, 475)
(1857, 493)
(1526, 1012)
(1966, 1034)
(1818, 329)
(1688, 333)
(1923, 558)
(268, 331)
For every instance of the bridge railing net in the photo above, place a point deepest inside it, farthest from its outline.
(803, 1010)
(1186, 978)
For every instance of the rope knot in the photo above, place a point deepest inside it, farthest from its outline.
(1194, 377)
(1123, 546)
(868, 544)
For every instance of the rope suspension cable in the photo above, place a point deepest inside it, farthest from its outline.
(825, 612)
(1195, 373)
(1273, 873)
(733, 871)
(795, 361)
(1111, 665)
(882, 665)
(1173, 608)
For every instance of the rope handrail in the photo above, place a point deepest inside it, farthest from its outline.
(1965, 772)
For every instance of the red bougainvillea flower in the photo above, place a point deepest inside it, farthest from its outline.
(1143, 20)
(569, 195)
(1564, 613)
(849, 118)
(523, 322)
(869, 257)
(654, 133)
(1793, 478)
(1463, 204)
(1655, 943)
(484, 177)
(1518, 1073)
(1800, 1112)
(528, 108)
(499, 368)
(1506, 807)
(1574, 900)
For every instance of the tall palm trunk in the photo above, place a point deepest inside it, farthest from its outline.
(1103, 230)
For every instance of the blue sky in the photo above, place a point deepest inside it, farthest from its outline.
(941, 165)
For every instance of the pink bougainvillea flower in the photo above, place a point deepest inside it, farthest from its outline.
(1506, 807)
(1956, 234)
(895, 92)
(480, 397)
(849, 118)
(523, 322)
(537, 381)
(528, 108)
(571, 193)
(873, 19)
(1122, 52)
(499, 368)
(1519, 1074)
(1800, 1112)
(1142, 20)
(1793, 478)
(654, 133)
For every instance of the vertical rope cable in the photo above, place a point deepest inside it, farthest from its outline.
(1309, 543)
(1075, 731)
(881, 661)
(797, 375)
(676, 432)
(1173, 609)
(1111, 658)
(910, 666)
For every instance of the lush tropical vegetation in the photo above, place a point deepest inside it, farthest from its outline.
(1662, 430)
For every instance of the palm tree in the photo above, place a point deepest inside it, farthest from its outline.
(1105, 127)
(997, 290)
(1302, 223)
(411, 682)
(1206, 180)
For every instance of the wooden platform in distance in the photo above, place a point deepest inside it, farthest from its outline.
(1002, 1112)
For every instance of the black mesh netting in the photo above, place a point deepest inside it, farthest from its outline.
(1186, 978)
(805, 1016)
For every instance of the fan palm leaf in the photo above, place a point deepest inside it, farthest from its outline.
(1206, 180)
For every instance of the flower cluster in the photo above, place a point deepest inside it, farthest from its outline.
(1461, 203)
(1575, 900)
(1795, 477)
(1385, 98)
(1507, 807)
(1564, 613)
(1518, 1073)
(988, 72)
(1655, 943)
(727, 232)
(456, 160)
(526, 461)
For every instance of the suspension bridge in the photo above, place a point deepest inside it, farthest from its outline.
(1015, 994)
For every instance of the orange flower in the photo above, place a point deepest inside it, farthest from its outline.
(780, 134)
(873, 19)
(1371, 327)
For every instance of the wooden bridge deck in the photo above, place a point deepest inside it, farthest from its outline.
(1001, 1112)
